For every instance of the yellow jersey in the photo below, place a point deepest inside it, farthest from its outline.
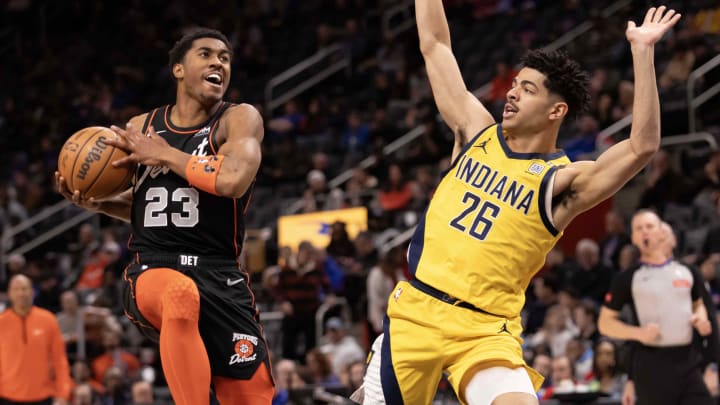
(488, 227)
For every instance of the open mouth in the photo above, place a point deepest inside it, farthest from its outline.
(214, 79)
(509, 110)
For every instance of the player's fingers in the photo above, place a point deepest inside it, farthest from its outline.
(631, 25)
(125, 161)
(665, 18)
(659, 14)
(151, 131)
(675, 19)
(119, 131)
(649, 15)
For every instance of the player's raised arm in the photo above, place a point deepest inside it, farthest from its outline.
(460, 109)
(585, 184)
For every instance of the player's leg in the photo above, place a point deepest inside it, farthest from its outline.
(258, 390)
(500, 386)
(372, 384)
(171, 302)
(410, 363)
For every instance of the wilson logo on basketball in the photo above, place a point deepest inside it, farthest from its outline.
(92, 156)
(244, 346)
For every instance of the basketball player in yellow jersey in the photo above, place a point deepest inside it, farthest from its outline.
(496, 213)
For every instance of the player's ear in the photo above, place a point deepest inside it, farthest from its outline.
(558, 110)
(178, 71)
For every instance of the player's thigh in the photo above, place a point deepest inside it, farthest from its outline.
(258, 390)
(152, 287)
(500, 386)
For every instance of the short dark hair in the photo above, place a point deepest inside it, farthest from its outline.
(183, 45)
(564, 76)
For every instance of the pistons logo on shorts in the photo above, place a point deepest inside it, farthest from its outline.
(244, 347)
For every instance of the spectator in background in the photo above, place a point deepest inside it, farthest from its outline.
(115, 357)
(605, 375)
(585, 316)
(321, 370)
(616, 237)
(662, 183)
(582, 145)
(81, 376)
(545, 289)
(580, 354)
(499, 85)
(302, 287)
(561, 377)
(340, 244)
(590, 276)
(141, 393)
(83, 395)
(380, 283)
(396, 193)
(116, 385)
(340, 348)
(316, 194)
(629, 256)
(33, 364)
(556, 332)
(70, 320)
(678, 69)
(286, 378)
(355, 137)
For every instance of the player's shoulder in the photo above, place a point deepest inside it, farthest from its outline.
(43, 314)
(242, 111)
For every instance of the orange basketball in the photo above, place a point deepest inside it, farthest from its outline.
(85, 163)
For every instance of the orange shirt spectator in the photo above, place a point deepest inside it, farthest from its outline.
(33, 363)
(114, 356)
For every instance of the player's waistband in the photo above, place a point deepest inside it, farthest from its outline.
(435, 293)
(175, 260)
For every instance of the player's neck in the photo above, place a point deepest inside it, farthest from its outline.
(542, 142)
(187, 113)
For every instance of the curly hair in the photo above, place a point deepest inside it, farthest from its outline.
(564, 77)
(183, 45)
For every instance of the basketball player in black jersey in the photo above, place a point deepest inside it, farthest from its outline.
(197, 161)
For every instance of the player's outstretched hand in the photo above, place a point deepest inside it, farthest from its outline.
(74, 196)
(657, 22)
(143, 149)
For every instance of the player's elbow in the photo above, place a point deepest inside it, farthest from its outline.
(232, 188)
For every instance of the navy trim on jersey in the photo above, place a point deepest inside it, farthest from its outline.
(389, 381)
(416, 245)
(464, 150)
(526, 156)
(541, 200)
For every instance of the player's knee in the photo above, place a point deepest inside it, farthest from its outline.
(181, 300)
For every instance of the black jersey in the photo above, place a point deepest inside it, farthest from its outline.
(171, 216)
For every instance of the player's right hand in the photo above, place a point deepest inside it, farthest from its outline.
(649, 333)
(74, 196)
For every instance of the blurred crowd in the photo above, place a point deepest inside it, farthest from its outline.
(97, 63)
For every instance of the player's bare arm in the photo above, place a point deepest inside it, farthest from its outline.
(582, 185)
(117, 206)
(460, 109)
(240, 134)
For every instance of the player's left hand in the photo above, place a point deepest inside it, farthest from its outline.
(702, 325)
(657, 22)
(142, 149)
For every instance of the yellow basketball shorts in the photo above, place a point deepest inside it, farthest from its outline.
(425, 337)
